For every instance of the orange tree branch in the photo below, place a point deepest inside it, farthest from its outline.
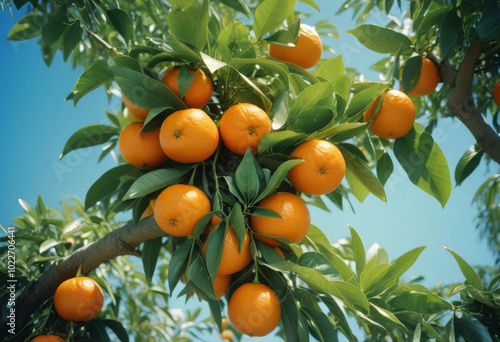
(122, 241)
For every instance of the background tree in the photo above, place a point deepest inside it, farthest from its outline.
(128, 44)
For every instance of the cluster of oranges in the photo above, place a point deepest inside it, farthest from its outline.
(77, 299)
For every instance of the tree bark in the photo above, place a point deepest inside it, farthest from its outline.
(461, 101)
(122, 241)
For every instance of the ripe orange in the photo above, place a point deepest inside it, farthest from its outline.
(227, 335)
(242, 126)
(307, 51)
(232, 260)
(496, 93)
(221, 284)
(138, 112)
(179, 207)
(141, 149)
(189, 136)
(322, 170)
(428, 80)
(48, 338)
(198, 93)
(78, 299)
(395, 117)
(294, 224)
(254, 309)
(224, 323)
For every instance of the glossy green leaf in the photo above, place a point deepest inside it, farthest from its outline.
(237, 221)
(27, 27)
(89, 136)
(425, 163)
(278, 177)
(467, 271)
(235, 41)
(470, 328)
(117, 328)
(270, 14)
(215, 245)
(359, 251)
(156, 180)
(287, 36)
(311, 3)
(189, 22)
(54, 28)
(122, 22)
(248, 176)
(198, 273)
(149, 256)
(239, 5)
(176, 265)
(331, 69)
(450, 32)
(388, 315)
(314, 96)
(468, 163)
(96, 75)
(320, 263)
(106, 184)
(380, 39)
(417, 298)
(362, 99)
(325, 329)
(277, 141)
(411, 73)
(385, 167)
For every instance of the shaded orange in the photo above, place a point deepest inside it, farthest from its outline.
(396, 115)
(242, 126)
(48, 338)
(232, 260)
(224, 323)
(78, 299)
(138, 112)
(189, 136)
(322, 170)
(496, 93)
(179, 207)
(150, 209)
(280, 252)
(221, 284)
(293, 225)
(141, 149)
(227, 335)
(428, 79)
(199, 91)
(307, 51)
(254, 309)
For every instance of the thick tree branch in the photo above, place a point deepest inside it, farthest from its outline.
(122, 241)
(461, 102)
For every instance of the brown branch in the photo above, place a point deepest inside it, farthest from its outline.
(104, 43)
(461, 102)
(122, 241)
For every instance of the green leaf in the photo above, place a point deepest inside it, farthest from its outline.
(97, 331)
(411, 73)
(248, 176)
(470, 328)
(369, 276)
(96, 75)
(27, 27)
(239, 5)
(270, 14)
(314, 96)
(145, 91)
(155, 118)
(362, 172)
(389, 315)
(425, 163)
(331, 69)
(367, 93)
(467, 271)
(488, 27)
(418, 298)
(54, 28)
(385, 167)
(48, 244)
(359, 251)
(72, 38)
(325, 328)
(320, 263)
(342, 132)
(287, 36)
(237, 221)
(156, 180)
(468, 163)
(309, 122)
(278, 177)
(150, 253)
(176, 264)
(265, 212)
(277, 141)
(106, 184)
(198, 273)
(215, 245)
(89, 136)
(450, 32)
(122, 22)
(380, 39)
(188, 21)
(311, 3)
(117, 328)
(235, 41)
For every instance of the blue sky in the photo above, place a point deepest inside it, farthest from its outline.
(37, 123)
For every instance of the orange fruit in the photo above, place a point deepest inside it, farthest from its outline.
(227, 335)
(224, 323)
(232, 260)
(428, 79)
(395, 116)
(322, 170)
(242, 126)
(199, 91)
(78, 299)
(496, 93)
(221, 284)
(48, 338)
(189, 136)
(294, 224)
(307, 51)
(254, 309)
(141, 149)
(138, 112)
(179, 207)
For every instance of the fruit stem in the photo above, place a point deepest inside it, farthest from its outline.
(214, 170)
(191, 180)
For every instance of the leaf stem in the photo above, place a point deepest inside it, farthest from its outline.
(104, 43)
(191, 180)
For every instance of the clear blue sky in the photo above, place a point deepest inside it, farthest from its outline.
(37, 123)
